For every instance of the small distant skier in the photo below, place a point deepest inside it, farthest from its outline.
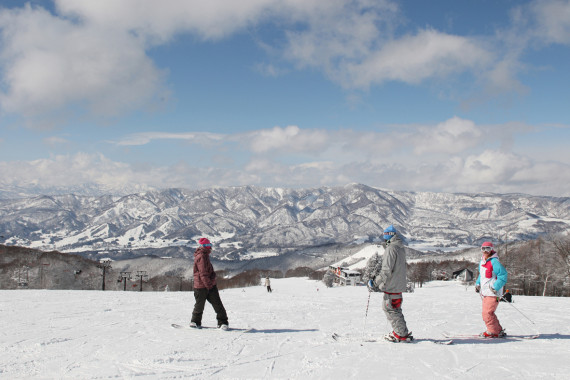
(392, 281)
(507, 297)
(268, 284)
(205, 288)
(489, 284)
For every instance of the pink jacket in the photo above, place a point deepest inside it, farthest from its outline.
(204, 275)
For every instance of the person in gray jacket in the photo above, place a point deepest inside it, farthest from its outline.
(392, 281)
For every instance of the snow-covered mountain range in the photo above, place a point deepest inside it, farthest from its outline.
(246, 223)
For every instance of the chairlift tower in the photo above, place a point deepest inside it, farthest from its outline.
(104, 264)
(124, 277)
(141, 274)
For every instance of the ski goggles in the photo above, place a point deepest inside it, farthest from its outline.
(206, 245)
(486, 249)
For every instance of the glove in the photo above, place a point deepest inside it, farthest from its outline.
(477, 288)
(494, 291)
(371, 286)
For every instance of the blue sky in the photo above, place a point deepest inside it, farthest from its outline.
(454, 96)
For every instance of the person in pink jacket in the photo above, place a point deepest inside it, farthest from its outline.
(205, 287)
(492, 278)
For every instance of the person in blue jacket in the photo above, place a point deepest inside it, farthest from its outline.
(492, 278)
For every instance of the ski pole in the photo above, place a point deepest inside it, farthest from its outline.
(366, 315)
(503, 297)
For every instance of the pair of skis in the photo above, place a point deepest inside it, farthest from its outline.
(476, 336)
(339, 338)
(449, 338)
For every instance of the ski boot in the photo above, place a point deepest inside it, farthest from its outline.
(194, 325)
(395, 338)
(486, 334)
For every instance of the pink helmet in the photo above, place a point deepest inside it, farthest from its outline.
(487, 247)
(204, 242)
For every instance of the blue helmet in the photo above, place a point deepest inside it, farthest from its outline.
(389, 232)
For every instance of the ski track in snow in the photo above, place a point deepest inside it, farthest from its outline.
(95, 335)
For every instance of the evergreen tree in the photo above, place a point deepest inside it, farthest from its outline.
(328, 279)
(373, 267)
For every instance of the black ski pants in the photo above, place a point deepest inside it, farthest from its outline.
(213, 297)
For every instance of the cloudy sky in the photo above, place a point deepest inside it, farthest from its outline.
(446, 96)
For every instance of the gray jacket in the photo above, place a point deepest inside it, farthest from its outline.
(392, 277)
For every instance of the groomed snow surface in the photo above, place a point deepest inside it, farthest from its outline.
(98, 335)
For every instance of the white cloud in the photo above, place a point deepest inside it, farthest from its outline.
(158, 22)
(277, 139)
(66, 170)
(92, 55)
(318, 165)
(53, 65)
(501, 78)
(56, 141)
(553, 20)
(450, 137)
(290, 138)
(456, 155)
(356, 44)
(492, 167)
(144, 138)
(415, 58)
(359, 49)
(492, 171)
(489, 171)
(261, 165)
(453, 136)
(338, 31)
(501, 172)
(533, 26)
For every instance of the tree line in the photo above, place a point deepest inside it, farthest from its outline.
(253, 277)
(539, 267)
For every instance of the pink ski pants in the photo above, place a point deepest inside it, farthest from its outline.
(491, 321)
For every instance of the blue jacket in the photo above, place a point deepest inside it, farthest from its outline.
(492, 274)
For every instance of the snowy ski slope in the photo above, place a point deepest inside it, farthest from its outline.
(94, 334)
